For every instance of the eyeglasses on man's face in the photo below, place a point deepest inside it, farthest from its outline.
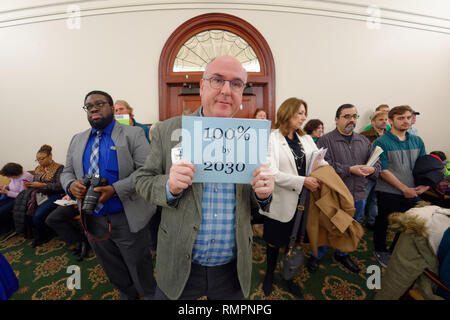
(349, 116)
(98, 105)
(236, 85)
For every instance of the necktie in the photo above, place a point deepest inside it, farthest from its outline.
(95, 154)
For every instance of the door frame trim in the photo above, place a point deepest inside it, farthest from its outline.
(166, 77)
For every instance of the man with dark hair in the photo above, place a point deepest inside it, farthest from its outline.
(348, 153)
(396, 191)
(117, 228)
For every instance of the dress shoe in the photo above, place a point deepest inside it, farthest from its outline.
(313, 264)
(77, 249)
(268, 284)
(347, 262)
(294, 288)
(83, 251)
(35, 243)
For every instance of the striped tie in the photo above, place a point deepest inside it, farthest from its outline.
(95, 154)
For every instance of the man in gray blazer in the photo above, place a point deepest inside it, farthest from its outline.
(205, 236)
(117, 228)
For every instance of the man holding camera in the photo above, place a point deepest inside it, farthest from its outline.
(100, 173)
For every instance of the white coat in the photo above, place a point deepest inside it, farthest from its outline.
(288, 184)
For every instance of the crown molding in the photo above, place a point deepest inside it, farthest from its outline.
(373, 17)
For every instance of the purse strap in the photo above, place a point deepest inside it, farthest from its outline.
(300, 209)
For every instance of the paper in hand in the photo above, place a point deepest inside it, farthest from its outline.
(375, 156)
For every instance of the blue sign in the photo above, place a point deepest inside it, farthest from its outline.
(224, 150)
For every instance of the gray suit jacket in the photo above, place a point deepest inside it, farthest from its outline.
(181, 221)
(132, 149)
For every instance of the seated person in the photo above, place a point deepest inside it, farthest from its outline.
(47, 189)
(8, 193)
(61, 221)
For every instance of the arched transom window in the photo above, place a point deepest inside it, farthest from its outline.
(201, 48)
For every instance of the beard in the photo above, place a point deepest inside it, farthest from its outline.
(349, 127)
(380, 127)
(102, 122)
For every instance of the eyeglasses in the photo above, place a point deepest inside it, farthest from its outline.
(349, 116)
(98, 105)
(217, 83)
(40, 159)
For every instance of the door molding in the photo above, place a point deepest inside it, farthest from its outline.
(265, 78)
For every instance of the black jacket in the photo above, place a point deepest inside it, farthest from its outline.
(428, 171)
(20, 209)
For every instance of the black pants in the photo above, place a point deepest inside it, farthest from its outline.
(387, 204)
(61, 221)
(124, 255)
(6, 215)
(216, 283)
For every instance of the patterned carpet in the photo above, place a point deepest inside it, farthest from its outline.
(42, 274)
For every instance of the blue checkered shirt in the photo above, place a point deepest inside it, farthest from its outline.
(216, 243)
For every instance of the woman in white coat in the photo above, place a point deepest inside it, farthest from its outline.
(289, 154)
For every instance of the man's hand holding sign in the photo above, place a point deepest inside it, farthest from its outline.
(206, 187)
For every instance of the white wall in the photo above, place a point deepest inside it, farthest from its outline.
(325, 57)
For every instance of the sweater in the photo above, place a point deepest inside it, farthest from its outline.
(16, 184)
(399, 157)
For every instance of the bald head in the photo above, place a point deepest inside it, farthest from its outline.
(225, 58)
(220, 94)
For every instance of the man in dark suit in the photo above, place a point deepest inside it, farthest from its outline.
(117, 228)
(205, 235)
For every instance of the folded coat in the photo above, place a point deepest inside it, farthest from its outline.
(330, 218)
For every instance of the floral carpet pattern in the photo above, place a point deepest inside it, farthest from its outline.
(43, 274)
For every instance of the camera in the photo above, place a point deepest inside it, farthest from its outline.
(91, 198)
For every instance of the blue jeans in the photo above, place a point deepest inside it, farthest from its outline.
(359, 210)
(44, 210)
(371, 202)
(358, 216)
(6, 218)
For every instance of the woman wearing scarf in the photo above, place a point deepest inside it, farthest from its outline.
(46, 190)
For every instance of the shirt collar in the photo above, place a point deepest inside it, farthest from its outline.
(107, 130)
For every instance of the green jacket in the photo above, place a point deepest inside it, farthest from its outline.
(181, 221)
(412, 255)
